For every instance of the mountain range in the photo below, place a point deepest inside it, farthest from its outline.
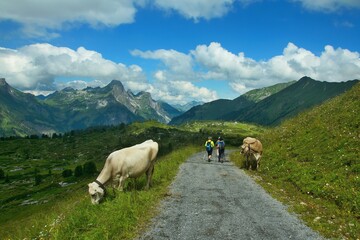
(24, 114)
(268, 106)
(216, 109)
(69, 109)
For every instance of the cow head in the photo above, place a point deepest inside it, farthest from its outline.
(244, 148)
(96, 192)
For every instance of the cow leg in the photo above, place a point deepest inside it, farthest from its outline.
(121, 182)
(115, 182)
(248, 161)
(149, 174)
(258, 162)
(257, 159)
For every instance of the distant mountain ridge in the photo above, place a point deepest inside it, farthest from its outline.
(219, 109)
(187, 106)
(302, 95)
(22, 113)
(68, 109)
(268, 106)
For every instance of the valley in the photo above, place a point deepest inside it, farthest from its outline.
(43, 178)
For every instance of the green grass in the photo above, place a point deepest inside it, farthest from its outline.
(232, 132)
(22, 158)
(121, 216)
(312, 163)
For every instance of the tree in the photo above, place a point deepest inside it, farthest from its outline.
(7, 178)
(2, 174)
(78, 171)
(38, 179)
(89, 168)
(67, 173)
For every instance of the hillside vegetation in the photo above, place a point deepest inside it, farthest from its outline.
(44, 180)
(312, 162)
(220, 108)
(301, 96)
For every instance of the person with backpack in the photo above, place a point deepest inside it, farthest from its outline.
(209, 145)
(220, 145)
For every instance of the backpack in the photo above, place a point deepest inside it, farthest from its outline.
(221, 145)
(208, 146)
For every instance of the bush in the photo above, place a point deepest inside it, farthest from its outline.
(89, 168)
(67, 173)
(2, 174)
(78, 171)
(38, 179)
(7, 178)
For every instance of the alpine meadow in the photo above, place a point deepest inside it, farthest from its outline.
(181, 119)
(310, 163)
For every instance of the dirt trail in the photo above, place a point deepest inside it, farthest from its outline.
(219, 201)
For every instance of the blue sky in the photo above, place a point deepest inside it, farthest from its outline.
(179, 51)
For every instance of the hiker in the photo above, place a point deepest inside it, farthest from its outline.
(209, 144)
(220, 145)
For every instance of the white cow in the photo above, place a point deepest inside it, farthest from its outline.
(122, 164)
(252, 149)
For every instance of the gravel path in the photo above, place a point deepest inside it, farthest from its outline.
(219, 201)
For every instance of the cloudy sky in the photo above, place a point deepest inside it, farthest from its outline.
(178, 50)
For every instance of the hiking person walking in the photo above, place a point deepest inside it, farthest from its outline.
(220, 145)
(209, 145)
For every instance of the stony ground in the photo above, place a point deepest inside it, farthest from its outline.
(213, 200)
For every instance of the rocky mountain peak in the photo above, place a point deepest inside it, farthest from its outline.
(115, 84)
(4, 86)
(143, 94)
(68, 89)
(2, 82)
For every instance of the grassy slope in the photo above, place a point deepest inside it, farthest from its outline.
(120, 217)
(66, 212)
(312, 162)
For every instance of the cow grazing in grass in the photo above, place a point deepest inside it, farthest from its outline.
(252, 149)
(126, 163)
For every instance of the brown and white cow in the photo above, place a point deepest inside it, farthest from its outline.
(129, 162)
(252, 149)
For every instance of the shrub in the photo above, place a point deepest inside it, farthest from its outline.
(38, 179)
(2, 174)
(89, 168)
(78, 171)
(67, 173)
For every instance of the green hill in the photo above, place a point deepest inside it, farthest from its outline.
(312, 161)
(22, 114)
(218, 109)
(302, 95)
(257, 95)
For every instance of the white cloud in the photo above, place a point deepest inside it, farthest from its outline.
(244, 74)
(37, 66)
(179, 66)
(46, 18)
(329, 5)
(178, 62)
(196, 9)
(181, 92)
(224, 64)
(38, 17)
